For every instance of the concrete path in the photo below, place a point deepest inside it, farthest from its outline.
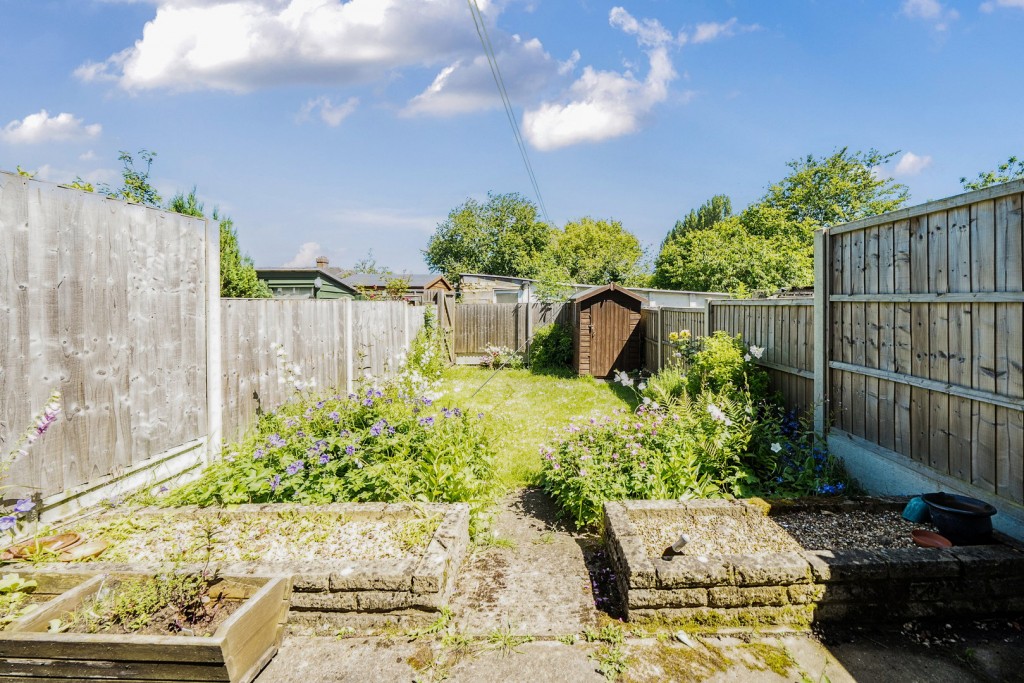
(529, 595)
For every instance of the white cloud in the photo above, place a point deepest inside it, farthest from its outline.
(87, 156)
(993, 5)
(305, 257)
(931, 11)
(602, 105)
(247, 44)
(41, 127)
(705, 33)
(648, 32)
(330, 113)
(467, 85)
(375, 220)
(911, 164)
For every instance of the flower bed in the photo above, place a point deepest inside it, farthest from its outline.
(737, 581)
(351, 562)
(712, 431)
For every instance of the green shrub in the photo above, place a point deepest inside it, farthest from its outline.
(551, 348)
(724, 363)
(695, 450)
(711, 431)
(378, 445)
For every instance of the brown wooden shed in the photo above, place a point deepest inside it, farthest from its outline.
(606, 330)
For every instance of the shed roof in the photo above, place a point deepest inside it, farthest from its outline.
(415, 280)
(612, 287)
(268, 273)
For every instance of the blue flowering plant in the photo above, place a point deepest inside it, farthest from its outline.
(377, 444)
(709, 428)
(10, 518)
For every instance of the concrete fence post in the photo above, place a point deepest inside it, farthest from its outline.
(214, 360)
(821, 325)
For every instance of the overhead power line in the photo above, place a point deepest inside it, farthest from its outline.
(492, 60)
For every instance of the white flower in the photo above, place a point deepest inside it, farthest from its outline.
(641, 386)
(647, 400)
(756, 351)
(776, 447)
(746, 357)
(718, 414)
(296, 370)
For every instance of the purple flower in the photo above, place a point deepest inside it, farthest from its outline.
(8, 522)
(426, 421)
(319, 404)
(291, 422)
(259, 453)
(350, 450)
(294, 467)
(427, 401)
(334, 417)
(275, 482)
(324, 458)
(343, 433)
(378, 427)
(368, 402)
(276, 441)
(24, 505)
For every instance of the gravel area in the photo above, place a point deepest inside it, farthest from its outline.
(818, 530)
(856, 529)
(713, 534)
(263, 538)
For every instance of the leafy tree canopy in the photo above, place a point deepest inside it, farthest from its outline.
(835, 189)
(714, 210)
(502, 236)
(135, 186)
(728, 258)
(597, 252)
(1013, 169)
(237, 274)
(770, 244)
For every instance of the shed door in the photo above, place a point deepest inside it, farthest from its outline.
(609, 336)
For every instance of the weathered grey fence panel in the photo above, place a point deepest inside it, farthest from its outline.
(314, 335)
(106, 302)
(380, 335)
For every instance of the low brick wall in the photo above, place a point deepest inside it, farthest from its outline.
(346, 591)
(796, 588)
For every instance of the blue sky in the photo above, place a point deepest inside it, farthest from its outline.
(330, 127)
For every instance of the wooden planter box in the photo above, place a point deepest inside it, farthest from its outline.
(237, 652)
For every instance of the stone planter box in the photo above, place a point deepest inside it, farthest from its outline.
(798, 587)
(237, 652)
(347, 591)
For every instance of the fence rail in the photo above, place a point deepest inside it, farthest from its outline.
(476, 326)
(117, 306)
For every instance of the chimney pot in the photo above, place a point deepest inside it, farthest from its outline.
(321, 261)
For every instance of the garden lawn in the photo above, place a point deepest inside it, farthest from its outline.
(522, 408)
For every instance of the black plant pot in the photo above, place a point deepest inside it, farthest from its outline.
(963, 520)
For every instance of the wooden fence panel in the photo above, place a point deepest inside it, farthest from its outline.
(480, 325)
(943, 361)
(785, 329)
(106, 302)
(310, 332)
(313, 335)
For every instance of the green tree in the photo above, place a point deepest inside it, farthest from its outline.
(502, 236)
(835, 189)
(135, 187)
(237, 274)
(714, 210)
(1013, 169)
(728, 258)
(597, 252)
(770, 244)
